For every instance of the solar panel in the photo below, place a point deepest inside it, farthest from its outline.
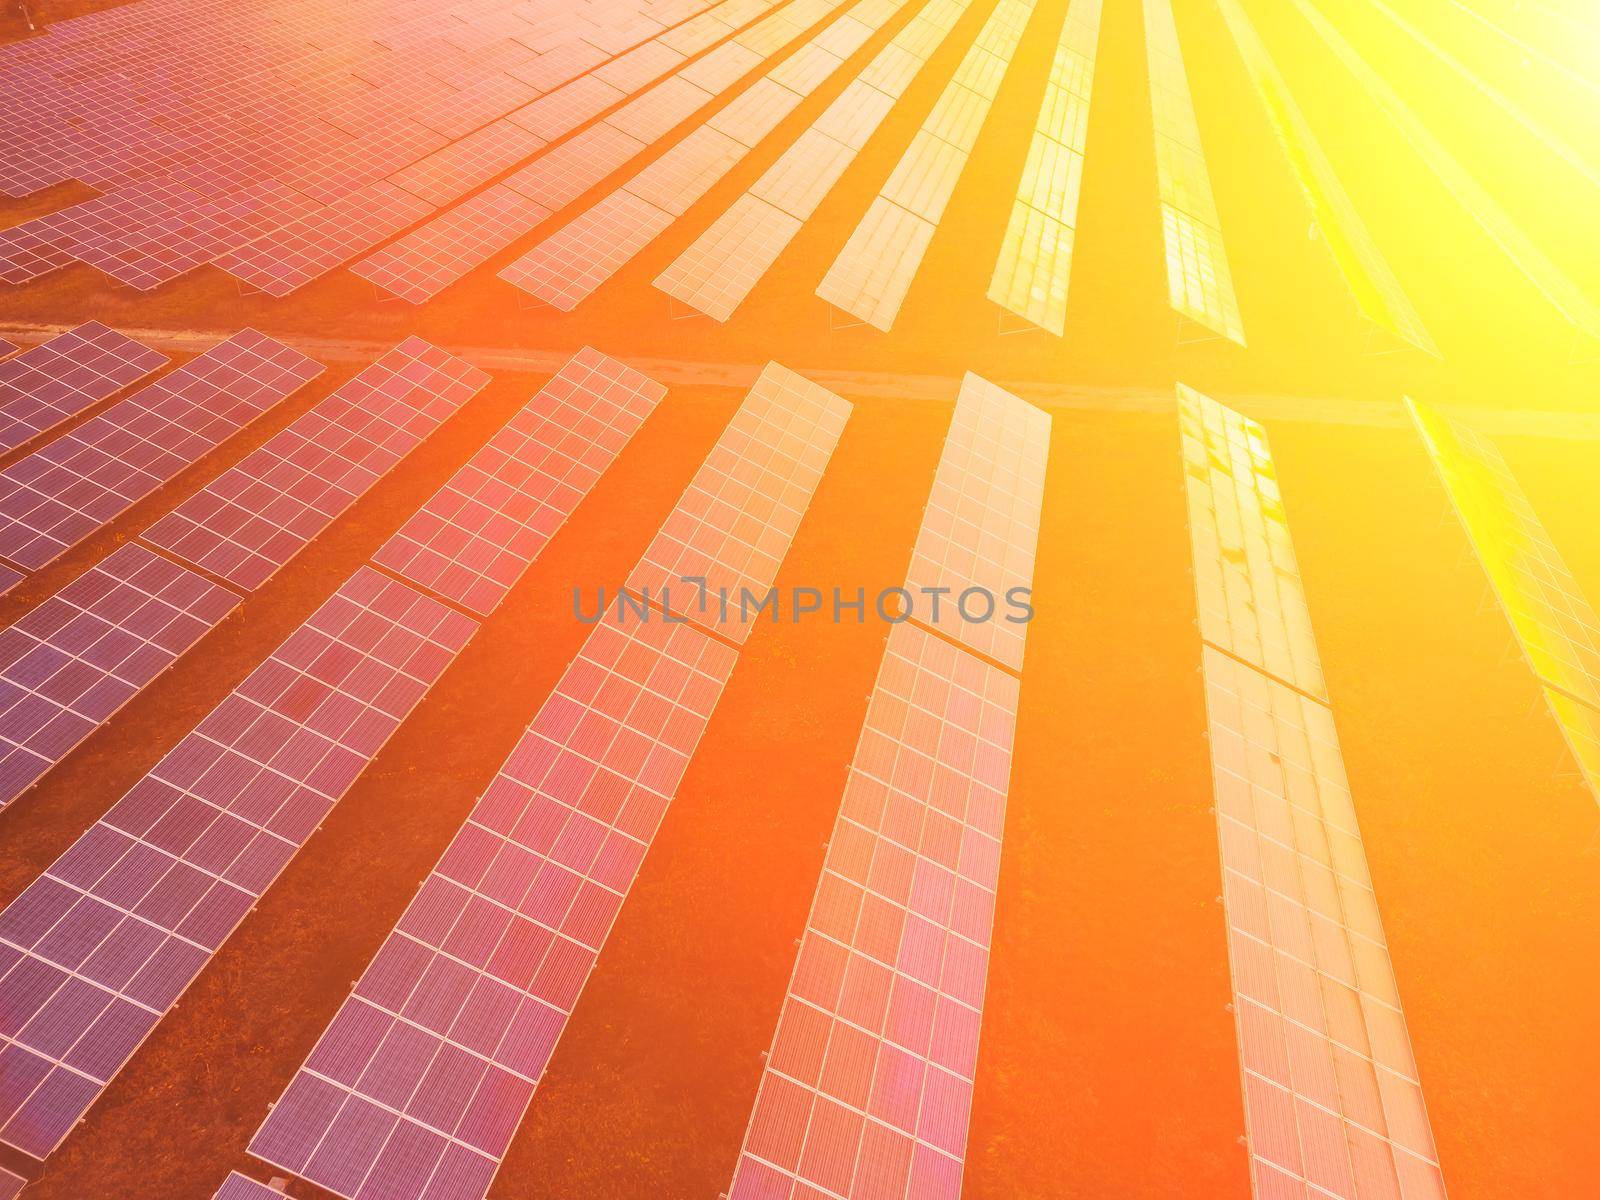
(27, 253)
(720, 268)
(11, 1185)
(420, 1081)
(98, 949)
(65, 375)
(252, 519)
(73, 661)
(639, 66)
(65, 490)
(1333, 1105)
(872, 274)
(1551, 618)
(653, 115)
(563, 110)
(723, 265)
(721, 68)
(7, 348)
(805, 173)
(925, 176)
(1034, 268)
(566, 267)
(687, 171)
(867, 1088)
(431, 257)
(556, 179)
(1580, 727)
(1199, 284)
(860, 109)
(291, 257)
(1372, 283)
(756, 111)
(735, 521)
(1248, 580)
(451, 172)
(981, 525)
(242, 1187)
(474, 539)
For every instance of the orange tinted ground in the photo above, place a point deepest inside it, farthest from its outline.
(1107, 1066)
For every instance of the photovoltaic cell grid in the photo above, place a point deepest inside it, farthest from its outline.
(62, 377)
(1246, 575)
(1333, 1105)
(97, 950)
(1372, 283)
(1558, 629)
(252, 519)
(1199, 284)
(867, 1089)
(872, 274)
(70, 487)
(418, 1085)
(291, 257)
(241, 1187)
(429, 259)
(736, 519)
(722, 266)
(73, 661)
(1550, 617)
(11, 1185)
(572, 263)
(315, 135)
(1032, 272)
(1332, 1101)
(981, 525)
(474, 539)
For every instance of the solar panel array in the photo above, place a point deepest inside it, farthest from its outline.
(867, 1089)
(1371, 281)
(65, 376)
(474, 539)
(295, 139)
(71, 486)
(424, 138)
(1246, 574)
(420, 1081)
(1034, 268)
(721, 267)
(567, 267)
(735, 522)
(73, 661)
(981, 525)
(1333, 1105)
(872, 274)
(1199, 283)
(418, 1084)
(95, 951)
(252, 519)
(1553, 621)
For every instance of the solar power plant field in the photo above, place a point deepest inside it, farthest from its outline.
(799, 599)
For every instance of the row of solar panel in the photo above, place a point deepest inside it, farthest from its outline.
(102, 944)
